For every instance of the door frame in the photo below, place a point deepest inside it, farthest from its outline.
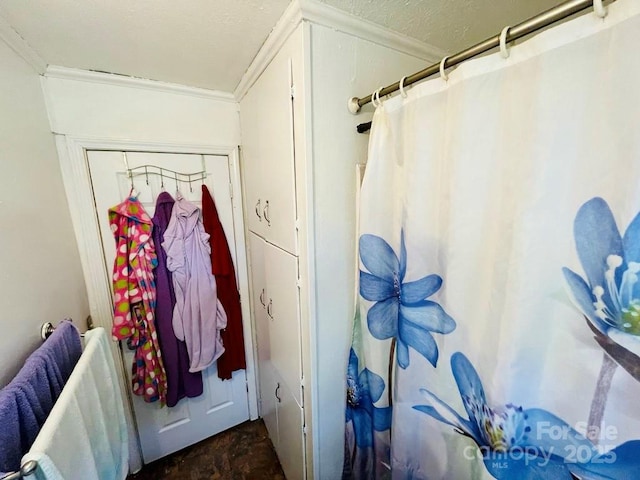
(76, 177)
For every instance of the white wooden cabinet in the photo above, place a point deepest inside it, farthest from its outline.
(271, 207)
(274, 278)
(268, 153)
(299, 150)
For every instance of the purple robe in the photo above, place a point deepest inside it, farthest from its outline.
(180, 381)
(198, 316)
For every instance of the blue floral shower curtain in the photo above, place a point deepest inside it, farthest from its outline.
(497, 330)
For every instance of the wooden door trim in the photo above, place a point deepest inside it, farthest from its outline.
(72, 154)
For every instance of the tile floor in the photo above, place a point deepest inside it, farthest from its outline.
(241, 453)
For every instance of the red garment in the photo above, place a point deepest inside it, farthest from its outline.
(222, 267)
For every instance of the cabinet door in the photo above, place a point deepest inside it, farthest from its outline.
(266, 114)
(252, 158)
(268, 384)
(290, 434)
(283, 316)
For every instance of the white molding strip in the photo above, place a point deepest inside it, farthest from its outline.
(323, 14)
(21, 47)
(53, 71)
(290, 19)
(329, 16)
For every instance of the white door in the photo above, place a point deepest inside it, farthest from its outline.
(223, 403)
(283, 318)
(265, 368)
(290, 432)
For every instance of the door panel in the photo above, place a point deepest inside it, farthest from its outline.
(265, 368)
(223, 404)
(282, 311)
(267, 131)
(252, 160)
(290, 434)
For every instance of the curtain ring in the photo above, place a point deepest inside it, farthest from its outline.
(599, 9)
(443, 74)
(504, 49)
(375, 98)
(402, 92)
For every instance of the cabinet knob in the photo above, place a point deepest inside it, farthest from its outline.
(258, 210)
(277, 391)
(262, 298)
(265, 212)
(270, 308)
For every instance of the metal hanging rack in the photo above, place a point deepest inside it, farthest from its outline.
(177, 177)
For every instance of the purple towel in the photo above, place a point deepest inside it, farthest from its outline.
(27, 401)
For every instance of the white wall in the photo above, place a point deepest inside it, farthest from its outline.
(92, 108)
(86, 104)
(40, 275)
(359, 68)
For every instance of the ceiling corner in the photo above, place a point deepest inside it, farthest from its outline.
(21, 47)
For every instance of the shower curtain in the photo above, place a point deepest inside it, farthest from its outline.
(497, 331)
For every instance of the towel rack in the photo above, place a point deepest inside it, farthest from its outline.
(46, 329)
(25, 471)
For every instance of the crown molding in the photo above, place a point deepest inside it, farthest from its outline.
(288, 22)
(21, 47)
(323, 14)
(64, 73)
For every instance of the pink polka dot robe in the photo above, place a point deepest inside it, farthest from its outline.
(134, 297)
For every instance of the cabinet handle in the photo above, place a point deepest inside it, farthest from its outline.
(265, 212)
(277, 391)
(262, 298)
(270, 308)
(258, 210)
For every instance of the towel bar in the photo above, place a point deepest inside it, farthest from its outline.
(30, 467)
(26, 470)
(47, 329)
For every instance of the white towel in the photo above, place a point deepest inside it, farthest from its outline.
(85, 436)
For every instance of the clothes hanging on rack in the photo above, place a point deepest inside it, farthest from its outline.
(180, 382)
(198, 315)
(233, 357)
(134, 297)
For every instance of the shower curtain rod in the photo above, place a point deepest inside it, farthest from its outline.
(532, 25)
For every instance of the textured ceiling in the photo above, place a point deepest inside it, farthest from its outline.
(450, 25)
(200, 43)
(211, 43)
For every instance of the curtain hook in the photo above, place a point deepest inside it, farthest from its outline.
(146, 174)
(161, 179)
(175, 174)
(504, 49)
(402, 92)
(190, 184)
(443, 74)
(599, 9)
